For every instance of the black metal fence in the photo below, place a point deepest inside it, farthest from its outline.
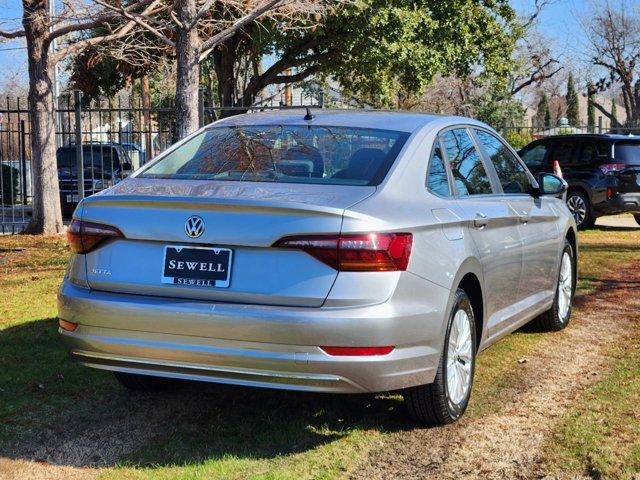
(110, 137)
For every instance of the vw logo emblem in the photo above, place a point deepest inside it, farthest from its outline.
(194, 227)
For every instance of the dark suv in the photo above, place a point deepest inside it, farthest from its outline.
(104, 165)
(603, 172)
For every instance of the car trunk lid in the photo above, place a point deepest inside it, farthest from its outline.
(245, 217)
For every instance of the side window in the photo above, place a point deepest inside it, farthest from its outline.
(437, 180)
(591, 152)
(513, 176)
(468, 171)
(563, 153)
(534, 157)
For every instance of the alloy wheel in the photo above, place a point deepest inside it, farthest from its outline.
(565, 286)
(459, 358)
(578, 208)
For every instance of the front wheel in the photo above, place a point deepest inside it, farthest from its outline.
(445, 400)
(557, 317)
(637, 217)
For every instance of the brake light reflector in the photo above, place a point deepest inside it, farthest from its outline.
(373, 252)
(610, 193)
(82, 237)
(358, 351)
(612, 167)
(68, 326)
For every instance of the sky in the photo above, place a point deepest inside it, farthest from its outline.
(560, 22)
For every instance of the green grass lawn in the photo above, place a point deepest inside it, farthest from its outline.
(213, 431)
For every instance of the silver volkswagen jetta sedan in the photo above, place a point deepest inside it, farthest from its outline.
(337, 251)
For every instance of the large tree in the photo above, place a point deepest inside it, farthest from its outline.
(40, 30)
(614, 35)
(375, 48)
(193, 29)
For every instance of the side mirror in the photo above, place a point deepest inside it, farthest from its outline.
(550, 184)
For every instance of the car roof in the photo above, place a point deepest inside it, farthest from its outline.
(380, 119)
(615, 137)
(91, 144)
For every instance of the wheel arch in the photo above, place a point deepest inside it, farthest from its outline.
(469, 278)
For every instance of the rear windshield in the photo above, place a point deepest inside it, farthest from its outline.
(628, 153)
(286, 154)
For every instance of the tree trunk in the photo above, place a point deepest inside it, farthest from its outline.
(188, 69)
(224, 60)
(47, 216)
(146, 105)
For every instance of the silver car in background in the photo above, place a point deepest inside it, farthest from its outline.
(337, 251)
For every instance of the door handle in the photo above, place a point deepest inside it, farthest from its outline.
(480, 221)
(524, 217)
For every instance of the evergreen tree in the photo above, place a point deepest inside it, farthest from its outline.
(573, 114)
(543, 114)
(591, 111)
(614, 112)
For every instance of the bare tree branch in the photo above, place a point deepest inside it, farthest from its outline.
(119, 33)
(238, 24)
(99, 20)
(13, 34)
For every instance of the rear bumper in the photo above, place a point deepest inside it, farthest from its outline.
(293, 361)
(621, 203)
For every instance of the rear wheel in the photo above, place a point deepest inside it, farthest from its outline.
(144, 383)
(580, 207)
(557, 317)
(637, 217)
(445, 400)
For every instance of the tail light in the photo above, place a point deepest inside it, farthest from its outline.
(612, 167)
(83, 237)
(373, 252)
(357, 351)
(610, 193)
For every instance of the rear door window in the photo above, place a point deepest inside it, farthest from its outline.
(513, 176)
(469, 174)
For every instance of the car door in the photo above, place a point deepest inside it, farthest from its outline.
(491, 223)
(537, 224)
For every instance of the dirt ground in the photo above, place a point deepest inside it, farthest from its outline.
(507, 444)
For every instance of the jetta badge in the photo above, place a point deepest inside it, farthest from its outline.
(194, 226)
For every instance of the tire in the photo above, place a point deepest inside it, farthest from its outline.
(637, 217)
(434, 404)
(558, 316)
(144, 383)
(580, 207)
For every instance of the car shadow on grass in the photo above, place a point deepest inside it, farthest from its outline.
(54, 410)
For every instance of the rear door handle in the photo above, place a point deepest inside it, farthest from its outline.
(480, 221)
(524, 217)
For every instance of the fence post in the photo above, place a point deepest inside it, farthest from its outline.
(23, 162)
(600, 124)
(77, 96)
(201, 107)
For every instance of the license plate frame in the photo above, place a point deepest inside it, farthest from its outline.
(205, 267)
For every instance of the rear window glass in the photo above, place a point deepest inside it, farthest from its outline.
(99, 157)
(627, 153)
(284, 154)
